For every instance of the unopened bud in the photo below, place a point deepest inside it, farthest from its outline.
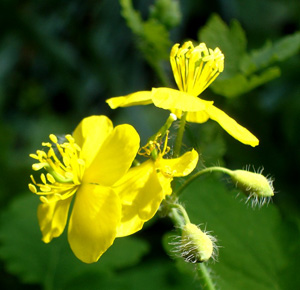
(196, 246)
(254, 185)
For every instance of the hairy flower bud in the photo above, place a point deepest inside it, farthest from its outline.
(196, 246)
(254, 185)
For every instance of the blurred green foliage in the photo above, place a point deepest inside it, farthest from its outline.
(59, 61)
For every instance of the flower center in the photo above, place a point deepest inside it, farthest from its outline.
(64, 169)
(152, 148)
(195, 68)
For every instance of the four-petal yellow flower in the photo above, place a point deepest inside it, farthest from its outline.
(85, 166)
(194, 69)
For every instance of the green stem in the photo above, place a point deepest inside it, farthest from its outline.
(179, 137)
(179, 220)
(205, 278)
(195, 176)
(163, 130)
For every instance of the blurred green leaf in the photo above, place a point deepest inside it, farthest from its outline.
(231, 40)
(132, 17)
(153, 38)
(208, 140)
(167, 12)
(240, 84)
(245, 71)
(252, 251)
(160, 274)
(54, 265)
(279, 51)
(156, 42)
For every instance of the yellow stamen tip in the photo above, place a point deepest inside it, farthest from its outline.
(32, 188)
(53, 138)
(38, 166)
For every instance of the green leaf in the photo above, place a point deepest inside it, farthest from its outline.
(152, 36)
(279, 51)
(53, 265)
(167, 12)
(156, 44)
(157, 274)
(240, 84)
(252, 253)
(245, 71)
(231, 40)
(132, 17)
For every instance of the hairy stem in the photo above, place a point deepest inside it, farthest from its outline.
(205, 278)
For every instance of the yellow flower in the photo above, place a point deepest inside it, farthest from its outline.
(144, 187)
(85, 166)
(194, 69)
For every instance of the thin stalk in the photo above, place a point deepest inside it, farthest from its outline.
(179, 137)
(195, 176)
(205, 278)
(179, 219)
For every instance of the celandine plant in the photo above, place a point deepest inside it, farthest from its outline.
(117, 185)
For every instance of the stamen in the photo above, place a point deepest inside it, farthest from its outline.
(47, 144)
(53, 138)
(34, 156)
(43, 178)
(32, 188)
(38, 166)
(50, 178)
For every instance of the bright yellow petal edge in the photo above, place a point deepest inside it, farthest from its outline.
(134, 99)
(232, 127)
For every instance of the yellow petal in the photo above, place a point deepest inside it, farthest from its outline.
(171, 99)
(232, 127)
(180, 166)
(197, 117)
(141, 194)
(193, 117)
(138, 98)
(95, 217)
(114, 157)
(52, 217)
(90, 134)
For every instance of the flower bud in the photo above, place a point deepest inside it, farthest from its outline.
(196, 246)
(254, 185)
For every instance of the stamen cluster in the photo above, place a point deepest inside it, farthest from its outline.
(195, 68)
(63, 165)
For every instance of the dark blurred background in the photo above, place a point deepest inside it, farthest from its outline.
(60, 61)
